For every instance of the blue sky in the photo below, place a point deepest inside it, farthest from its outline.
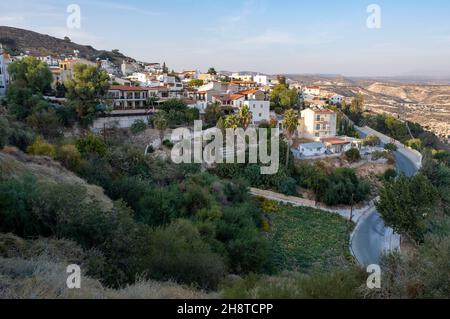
(271, 36)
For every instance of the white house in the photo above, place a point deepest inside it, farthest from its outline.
(242, 77)
(310, 149)
(316, 123)
(260, 110)
(128, 97)
(337, 145)
(336, 99)
(311, 90)
(262, 80)
(258, 104)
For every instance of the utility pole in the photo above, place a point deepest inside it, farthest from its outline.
(403, 115)
(351, 208)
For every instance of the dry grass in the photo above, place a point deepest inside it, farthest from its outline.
(36, 269)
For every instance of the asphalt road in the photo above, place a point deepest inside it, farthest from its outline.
(370, 236)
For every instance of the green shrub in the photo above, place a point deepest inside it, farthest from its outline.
(20, 135)
(159, 205)
(168, 144)
(390, 147)
(41, 147)
(92, 145)
(372, 140)
(288, 186)
(179, 254)
(138, 127)
(353, 155)
(415, 143)
(5, 131)
(69, 156)
(45, 122)
(390, 175)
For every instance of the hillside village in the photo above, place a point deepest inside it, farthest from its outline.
(84, 163)
(138, 88)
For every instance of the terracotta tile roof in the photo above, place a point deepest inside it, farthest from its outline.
(127, 88)
(236, 96)
(246, 92)
(243, 82)
(157, 88)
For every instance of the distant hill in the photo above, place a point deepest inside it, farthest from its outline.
(18, 41)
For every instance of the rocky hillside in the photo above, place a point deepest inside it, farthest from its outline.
(20, 41)
(424, 102)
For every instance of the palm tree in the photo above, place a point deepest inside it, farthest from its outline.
(213, 112)
(160, 122)
(232, 121)
(245, 116)
(220, 123)
(151, 101)
(290, 123)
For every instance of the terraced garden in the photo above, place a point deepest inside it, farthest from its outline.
(306, 239)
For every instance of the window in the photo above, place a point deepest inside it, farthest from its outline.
(317, 135)
(318, 127)
(318, 118)
(260, 115)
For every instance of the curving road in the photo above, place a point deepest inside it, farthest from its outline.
(371, 238)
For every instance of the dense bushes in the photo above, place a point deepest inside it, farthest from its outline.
(69, 156)
(30, 209)
(177, 112)
(341, 186)
(371, 140)
(353, 155)
(92, 144)
(390, 147)
(41, 147)
(406, 205)
(138, 126)
(15, 134)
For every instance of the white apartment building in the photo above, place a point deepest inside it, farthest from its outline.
(317, 123)
(262, 80)
(4, 77)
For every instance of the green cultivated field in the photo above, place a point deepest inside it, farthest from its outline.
(306, 239)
